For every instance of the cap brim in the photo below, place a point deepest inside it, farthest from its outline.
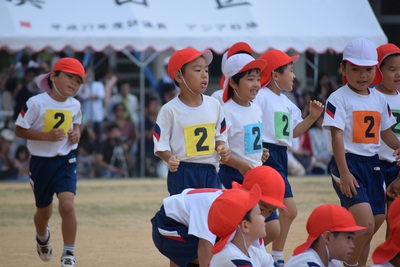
(273, 202)
(225, 95)
(207, 54)
(303, 247)
(385, 252)
(222, 242)
(42, 82)
(362, 62)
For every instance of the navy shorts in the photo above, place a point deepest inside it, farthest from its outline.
(227, 175)
(52, 175)
(390, 171)
(192, 175)
(175, 243)
(369, 176)
(278, 160)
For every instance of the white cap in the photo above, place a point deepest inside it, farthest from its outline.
(361, 52)
(7, 135)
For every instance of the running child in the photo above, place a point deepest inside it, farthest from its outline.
(330, 240)
(189, 134)
(389, 65)
(50, 123)
(358, 117)
(282, 122)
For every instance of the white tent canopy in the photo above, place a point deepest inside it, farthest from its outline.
(316, 25)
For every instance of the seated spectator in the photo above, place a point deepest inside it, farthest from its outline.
(7, 169)
(21, 163)
(112, 158)
(85, 161)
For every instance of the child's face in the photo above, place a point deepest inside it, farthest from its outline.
(247, 89)
(256, 225)
(358, 78)
(266, 209)
(391, 73)
(195, 76)
(286, 79)
(67, 84)
(341, 246)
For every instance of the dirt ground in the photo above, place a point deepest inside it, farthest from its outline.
(114, 221)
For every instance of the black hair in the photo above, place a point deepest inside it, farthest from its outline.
(150, 98)
(20, 149)
(282, 69)
(122, 82)
(114, 108)
(247, 216)
(391, 55)
(49, 82)
(236, 78)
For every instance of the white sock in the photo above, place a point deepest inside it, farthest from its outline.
(43, 238)
(70, 248)
(277, 255)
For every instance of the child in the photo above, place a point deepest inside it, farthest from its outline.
(389, 65)
(282, 122)
(357, 118)
(388, 253)
(180, 230)
(330, 229)
(235, 218)
(50, 123)
(189, 134)
(21, 162)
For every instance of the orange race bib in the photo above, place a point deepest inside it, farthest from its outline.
(366, 126)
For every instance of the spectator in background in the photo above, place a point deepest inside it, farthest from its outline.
(85, 161)
(320, 146)
(168, 92)
(165, 81)
(129, 100)
(6, 101)
(91, 94)
(110, 85)
(324, 87)
(21, 163)
(24, 91)
(7, 169)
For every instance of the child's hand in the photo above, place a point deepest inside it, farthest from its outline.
(316, 108)
(173, 163)
(397, 154)
(348, 184)
(224, 152)
(74, 136)
(393, 189)
(55, 135)
(265, 155)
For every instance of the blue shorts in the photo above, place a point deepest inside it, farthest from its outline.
(192, 175)
(52, 175)
(369, 176)
(278, 160)
(272, 216)
(390, 171)
(180, 247)
(227, 175)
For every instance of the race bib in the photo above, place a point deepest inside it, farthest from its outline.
(253, 138)
(199, 139)
(282, 125)
(57, 119)
(366, 127)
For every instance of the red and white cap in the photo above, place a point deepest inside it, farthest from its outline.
(236, 64)
(328, 217)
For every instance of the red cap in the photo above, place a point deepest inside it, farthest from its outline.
(362, 52)
(239, 47)
(328, 217)
(186, 55)
(236, 64)
(386, 50)
(275, 59)
(391, 247)
(271, 184)
(66, 64)
(394, 211)
(228, 210)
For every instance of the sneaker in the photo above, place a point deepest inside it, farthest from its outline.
(68, 259)
(44, 250)
(279, 263)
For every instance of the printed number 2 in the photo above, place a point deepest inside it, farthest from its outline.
(394, 127)
(203, 132)
(60, 117)
(285, 119)
(256, 145)
(370, 120)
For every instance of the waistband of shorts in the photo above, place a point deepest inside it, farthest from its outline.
(274, 146)
(53, 157)
(196, 165)
(356, 157)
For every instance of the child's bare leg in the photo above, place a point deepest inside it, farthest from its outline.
(363, 216)
(272, 228)
(389, 202)
(172, 264)
(68, 218)
(285, 220)
(41, 219)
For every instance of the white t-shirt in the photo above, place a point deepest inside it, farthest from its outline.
(191, 209)
(360, 117)
(280, 117)
(310, 258)
(190, 132)
(232, 256)
(218, 95)
(385, 152)
(93, 108)
(42, 113)
(244, 130)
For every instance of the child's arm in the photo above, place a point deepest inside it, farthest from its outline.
(223, 151)
(171, 160)
(393, 189)
(391, 141)
(74, 135)
(204, 252)
(348, 183)
(242, 166)
(316, 109)
(30, 134)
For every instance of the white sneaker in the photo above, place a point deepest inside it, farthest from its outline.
(44, 250)
(68, 259)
